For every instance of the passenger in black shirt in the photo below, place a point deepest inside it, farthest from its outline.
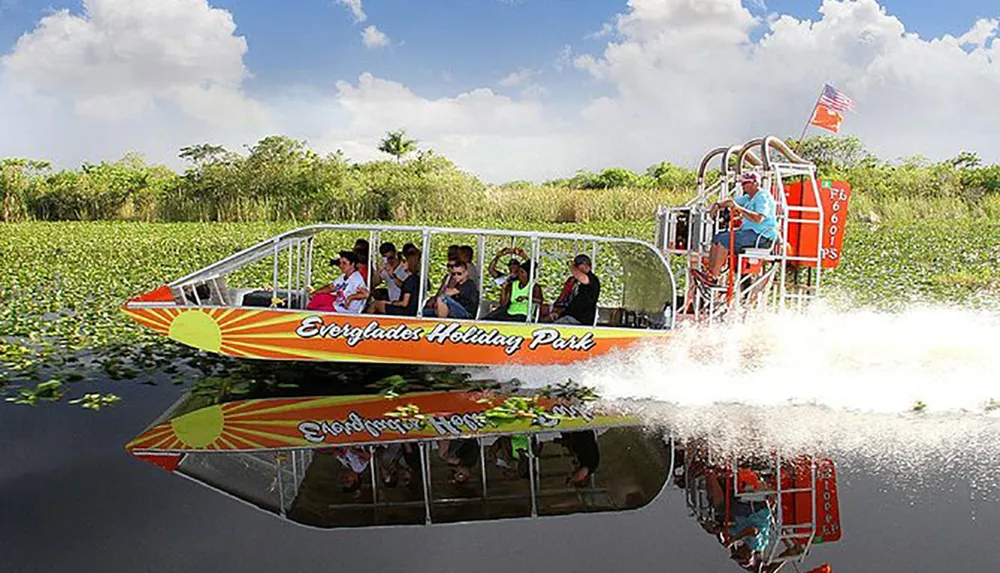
(407, 303)
(410, 291)
(582, 445)
(582, 307)
(460, 300)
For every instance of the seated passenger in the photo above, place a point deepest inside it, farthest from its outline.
(514, 297)
(466, 254)
(582, 444)
(392, 271)
(582, 306)
(461, 455)
(759, 229)
(407, 303)
(390, 462)
(447, 280)
(412, 464)
(565, 295)
(512, 265)
(748, 531)
(459, 301)
(511, 455)
(361, 250)
(355, 460)
(347, 294)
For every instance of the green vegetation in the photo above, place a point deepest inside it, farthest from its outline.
(60, 297)
(920, 231)
(281, 179)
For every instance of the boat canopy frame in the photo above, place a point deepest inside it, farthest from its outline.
(299, 243)
(290, 464)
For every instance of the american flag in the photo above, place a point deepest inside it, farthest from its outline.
(835, 99)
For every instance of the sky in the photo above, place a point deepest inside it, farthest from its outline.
(508, 89)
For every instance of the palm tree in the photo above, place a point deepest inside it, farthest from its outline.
(397, 145)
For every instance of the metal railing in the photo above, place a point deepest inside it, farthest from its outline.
(292, 256)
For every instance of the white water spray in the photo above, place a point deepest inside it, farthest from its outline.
(897, 389)
(860, 361)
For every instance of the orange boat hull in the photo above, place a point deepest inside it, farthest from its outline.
(277, 334)
(325, 421)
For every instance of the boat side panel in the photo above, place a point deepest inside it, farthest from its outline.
(309, 336)
(319, 422)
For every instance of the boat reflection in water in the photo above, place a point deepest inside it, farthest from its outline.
(431, 457)
(765, 509)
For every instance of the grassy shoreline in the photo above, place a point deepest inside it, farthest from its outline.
(64, 282)
(281, 179)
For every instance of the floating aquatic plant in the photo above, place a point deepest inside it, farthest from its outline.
(63, 285)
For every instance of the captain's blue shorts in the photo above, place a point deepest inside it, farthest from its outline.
(744, 239)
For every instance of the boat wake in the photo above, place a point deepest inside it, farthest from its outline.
(902, 388)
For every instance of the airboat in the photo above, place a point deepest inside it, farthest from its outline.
(219, 309)
(393, 460)
(290, 456)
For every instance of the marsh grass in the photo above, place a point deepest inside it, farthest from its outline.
(64, 283)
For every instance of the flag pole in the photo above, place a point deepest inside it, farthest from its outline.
(805, 128)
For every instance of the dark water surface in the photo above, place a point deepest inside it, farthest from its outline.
(72, 499)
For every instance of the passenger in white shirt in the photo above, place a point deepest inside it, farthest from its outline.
(392, 271)
(348, 292)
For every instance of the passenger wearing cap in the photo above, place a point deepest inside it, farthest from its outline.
(513, 265)
(514, 296)
(759, 229)
(582, 306)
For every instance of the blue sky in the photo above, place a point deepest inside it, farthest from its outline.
(90, 89)
(449, 46)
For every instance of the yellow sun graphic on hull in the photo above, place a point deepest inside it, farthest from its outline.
(272, 334)
(198, 329)
(199, 428)
(239, 332)
(245, 425)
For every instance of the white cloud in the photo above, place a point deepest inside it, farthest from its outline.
(376, 105)
(479, 129)
(981, 32)
(124, 75)
(372, 37)
(675, 78)
(564, 59)
(687, 76)
(518, 78)
(122, 59)
(356, 8)
(604, 32)
(525, 79)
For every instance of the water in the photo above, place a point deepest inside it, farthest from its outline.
(857, 361)
(918, 490)
(909, 394)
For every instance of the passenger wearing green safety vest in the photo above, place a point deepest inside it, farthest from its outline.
(514, 297)
(511, 453)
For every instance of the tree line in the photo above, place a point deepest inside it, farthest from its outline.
(281, 179)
